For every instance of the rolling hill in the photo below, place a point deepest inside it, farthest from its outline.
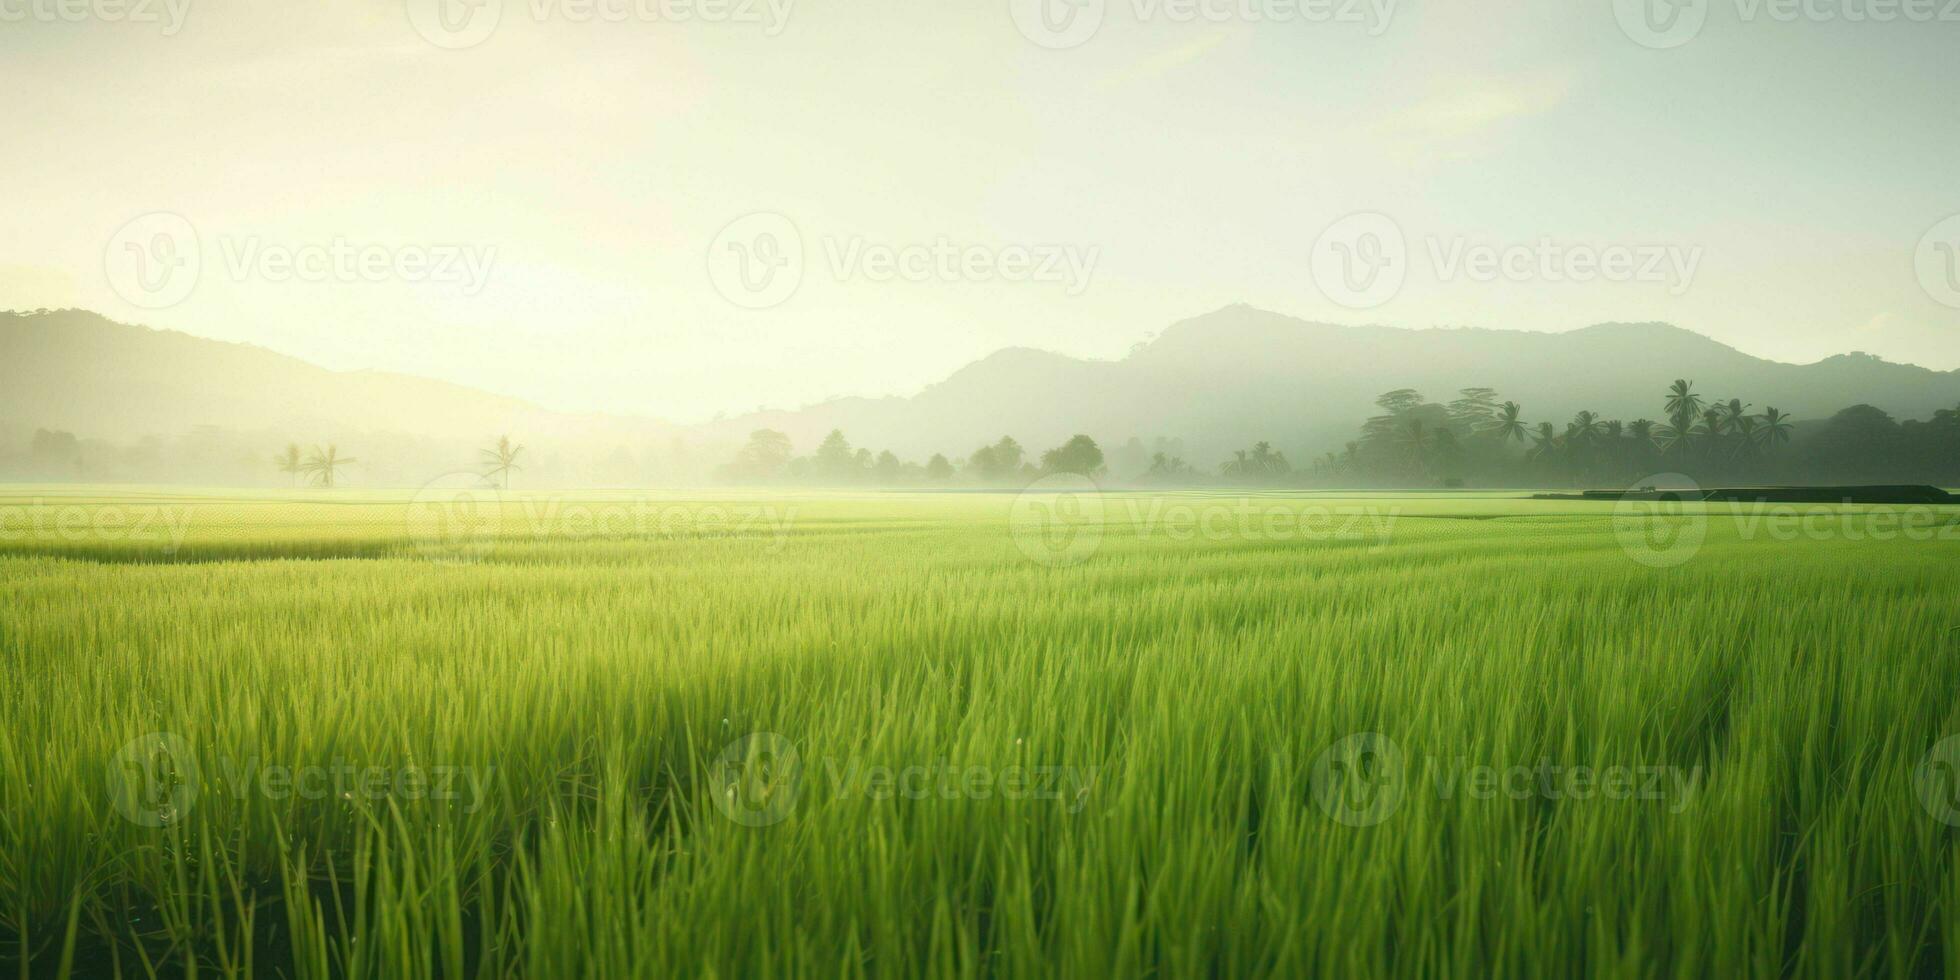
(1218, 382)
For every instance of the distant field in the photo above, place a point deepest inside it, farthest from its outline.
(339, 733)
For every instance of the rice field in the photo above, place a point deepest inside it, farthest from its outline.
(350, 734)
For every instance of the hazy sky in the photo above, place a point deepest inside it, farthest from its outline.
(1771, 182)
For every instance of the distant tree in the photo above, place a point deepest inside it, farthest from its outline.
(887, 468)
(1507, 423)
(834, 458)
(290, 462)
(324, 465)
(1080, 455)
(766, 457)
(998, 462)
(500, 459)
(1682, 400)
(1474, 410)
(1164, 466)
(1733, 412)
(1860, 442)
(1775, 430)
(938, 469)
(1711, 429)
(1544, 441)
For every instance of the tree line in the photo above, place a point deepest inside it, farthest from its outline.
(1477, 440)
(769, 457)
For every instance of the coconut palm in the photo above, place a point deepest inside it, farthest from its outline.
(1544, 442)
(1747, 442)
(1711, 428)
(1774, 430)
(325, 464)
(1416, 438)
(1642, 430)
(1508, 424)
(1586, 427)
(1682, 400)
(290, 462)
(1733, 412)
(1673, 439)
(500, 459)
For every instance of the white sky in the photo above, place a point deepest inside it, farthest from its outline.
(1200, 161)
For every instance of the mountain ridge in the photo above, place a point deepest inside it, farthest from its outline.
(1217, 381)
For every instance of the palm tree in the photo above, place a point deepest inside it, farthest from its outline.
(1586, 426)
(1747, 441)
(324, 463)
(1544, 441)
(1682, 400)
(1711, 429)
(290, 462)
(1508, 425)
(501, 459)
(1733, 412)
(1418, 442)
(1673, 438)
(1775, 430)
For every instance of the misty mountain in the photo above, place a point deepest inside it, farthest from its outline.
(1218, 382)
(1230, 378)
(81, 372)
